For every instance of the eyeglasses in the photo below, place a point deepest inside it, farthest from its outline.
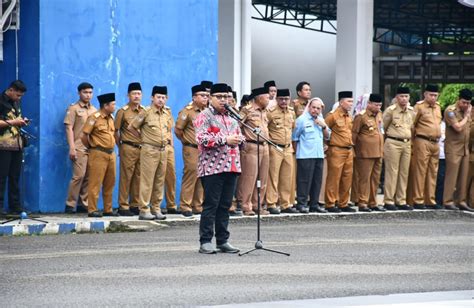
(283, 98)
(221, 97)
(203, 94)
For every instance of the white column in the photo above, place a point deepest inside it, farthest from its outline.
(354, 46)
(234, 44)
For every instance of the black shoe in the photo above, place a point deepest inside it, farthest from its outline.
(365, 209)
(110, 214)
(196, 212)
(450, 207)
(404, 207)
(81, 209)
(347, 209)
(390, 207)
(95, 214)
(434, 207)
(274, 211)
(124, 212)
(227, 248)
(317, 209)
(333, 209)
(207, 248)
(302, 209)
(135, 210)
(290, 210)
(235, 213)
(172, 211)
(465, 207)
(377, 209)
(187, 214)
(419, 207)
(69, 210)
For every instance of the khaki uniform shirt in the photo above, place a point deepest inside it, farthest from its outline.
(281, 123)
(254, 117)
(398, 122)
(471, 142)
(100, 128)
(456, 143)
(299, 105)
(427, 120)
(185, 122)
(340, 123)
(155, 125)
(367, 134)
(76, 116)
(124, 117)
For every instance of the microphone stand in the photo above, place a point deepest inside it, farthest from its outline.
(257, 132)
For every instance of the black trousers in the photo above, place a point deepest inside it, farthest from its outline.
(10, 167)
(218, 192)
(440, 181)
(309, 180)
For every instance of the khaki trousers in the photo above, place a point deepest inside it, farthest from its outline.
(152, 177)
(247, 184)
(368, 171)
(78, 185)
(293, 180)
(397, 155)
(170, 178)
(280, 171)
(424, 169)
(355, 182)
(192, 193)
(470, 184)
(339, 178)
(101, 175)
(455, 181)
(129, 183)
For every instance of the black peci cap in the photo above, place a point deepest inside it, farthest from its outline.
(344, 94)
(106, 98)
(431, 88)
(134, 86)
(159, 90)
(403, 90)
(219, 88)
(283, 92)
(375, 98)
(198, 88)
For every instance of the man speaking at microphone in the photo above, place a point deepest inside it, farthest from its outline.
(218, 137)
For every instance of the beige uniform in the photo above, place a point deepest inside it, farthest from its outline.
(368, 143)
(281, 123)
(76, 116)
(397, 124)
(470, 182)
(340, 158)
(170, 177)
(101, 164)
(425, 153)
(129, 183)
(247, 183)
(192, 193)
(155, 126)
(457, 158)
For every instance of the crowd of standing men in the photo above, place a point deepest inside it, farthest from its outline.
(308, 155)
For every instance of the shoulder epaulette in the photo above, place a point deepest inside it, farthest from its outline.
(147, 108)
(97, 114)
(72, 104)
(248, 107)
(410, 107)
(141, 107)
(190, 103)
(363, 112)
(451, 107)
(125, 108)
(168, 107)
(291, 108)
(272, 108)
(189, 107)
(332, 111)
(393, 107)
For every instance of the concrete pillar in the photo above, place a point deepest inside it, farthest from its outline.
(234, 44)
(354, 46)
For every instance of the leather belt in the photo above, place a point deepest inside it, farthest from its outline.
(255, 142)
(284, 145)
(399, 139)
(105, 150)
(190, 145)
(346, 148)
(136, 145)
(159, 147)
(434, 140)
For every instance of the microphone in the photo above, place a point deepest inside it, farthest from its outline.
(232, 111)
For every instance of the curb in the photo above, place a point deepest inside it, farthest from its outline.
(113, 226)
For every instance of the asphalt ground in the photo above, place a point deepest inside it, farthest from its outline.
(338, 256)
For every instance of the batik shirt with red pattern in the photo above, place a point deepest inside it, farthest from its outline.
(215, 156)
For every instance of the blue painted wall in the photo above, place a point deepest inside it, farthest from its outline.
(108, 43)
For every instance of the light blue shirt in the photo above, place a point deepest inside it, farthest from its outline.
(309, 137)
